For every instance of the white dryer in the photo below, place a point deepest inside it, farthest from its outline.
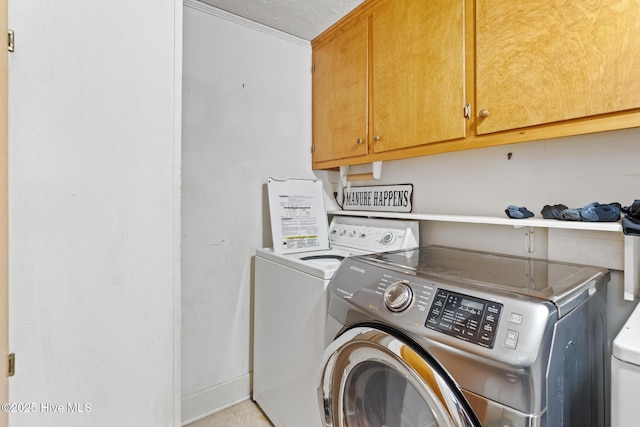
(625, 373)
(290, 312)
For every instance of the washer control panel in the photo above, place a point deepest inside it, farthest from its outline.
(465, 317)
(373, 234)
(505, 326)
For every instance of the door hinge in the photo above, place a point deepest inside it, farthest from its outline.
(11, 41)
(12, 364)
(313, 68)
(467, 111)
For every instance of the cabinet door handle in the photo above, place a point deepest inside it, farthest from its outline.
(359, 141)
(377, 138)
(484, 113)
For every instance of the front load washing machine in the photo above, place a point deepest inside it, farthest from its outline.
(290, 310)
(446, 337)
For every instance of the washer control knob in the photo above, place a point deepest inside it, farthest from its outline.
(387, 238)
(398, 296)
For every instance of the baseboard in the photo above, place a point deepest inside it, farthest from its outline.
(214, 399)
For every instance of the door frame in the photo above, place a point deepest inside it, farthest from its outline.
(4, 215)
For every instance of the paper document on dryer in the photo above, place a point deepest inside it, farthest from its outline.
(298, 216)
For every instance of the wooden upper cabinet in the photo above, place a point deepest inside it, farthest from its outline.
(418, 85)
(546, 61)
(340, 93)
(392, 78)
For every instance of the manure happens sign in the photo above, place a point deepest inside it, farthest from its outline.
(384, 198)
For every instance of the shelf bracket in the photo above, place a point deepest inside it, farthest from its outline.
(529, 240)
(631, 267)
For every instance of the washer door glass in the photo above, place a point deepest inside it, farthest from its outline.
(376, 395)
(373, 379)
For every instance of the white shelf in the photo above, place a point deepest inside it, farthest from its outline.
(491, 220)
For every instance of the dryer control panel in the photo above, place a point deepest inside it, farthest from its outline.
(465, 317)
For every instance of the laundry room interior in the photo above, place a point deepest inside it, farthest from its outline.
(265, 105)
(164, 221)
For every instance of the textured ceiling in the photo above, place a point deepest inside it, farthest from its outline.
(302, 18)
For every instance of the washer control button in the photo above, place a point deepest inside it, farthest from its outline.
(511, 340)
(516, 318)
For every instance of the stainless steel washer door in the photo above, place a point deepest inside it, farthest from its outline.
(373, 379)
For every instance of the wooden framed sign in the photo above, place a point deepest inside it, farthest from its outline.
(382, 198)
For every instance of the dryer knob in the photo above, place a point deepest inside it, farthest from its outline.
(398, 296)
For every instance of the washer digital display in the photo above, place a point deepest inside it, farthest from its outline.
(467, 318)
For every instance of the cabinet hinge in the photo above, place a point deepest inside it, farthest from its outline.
(313, 68)
(11, 41)
(12, 364)
(467, 111)
(313, 147)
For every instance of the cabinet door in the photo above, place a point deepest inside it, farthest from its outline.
(340, 94)
(544, 61)
(418, 73)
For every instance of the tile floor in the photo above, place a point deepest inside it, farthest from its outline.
(244, 414)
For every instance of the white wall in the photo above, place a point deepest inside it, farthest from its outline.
(573, 170)
(246, 116)
(94, 116)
